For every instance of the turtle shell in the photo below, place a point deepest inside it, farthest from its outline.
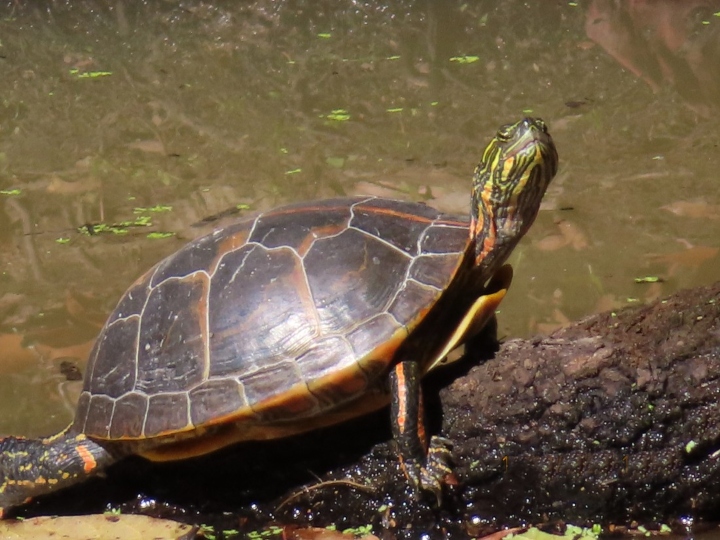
(273, 323)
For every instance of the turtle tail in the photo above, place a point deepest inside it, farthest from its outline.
(33, 467)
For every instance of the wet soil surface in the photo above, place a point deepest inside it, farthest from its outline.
(612, 419)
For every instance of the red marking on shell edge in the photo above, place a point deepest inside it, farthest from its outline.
(228, 244)
(342, 204)
(316, 234)
(344, 385)
(294, 402)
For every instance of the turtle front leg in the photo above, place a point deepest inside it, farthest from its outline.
(33, 467)
(425, 466)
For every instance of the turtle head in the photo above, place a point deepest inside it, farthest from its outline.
(508, 185)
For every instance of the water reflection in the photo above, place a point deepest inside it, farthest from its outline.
(664, 42)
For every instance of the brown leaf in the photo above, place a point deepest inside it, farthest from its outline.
(152, 146)
(693, 209)
(62, 187)
(692, 257)
(572, 233)
(551, 243)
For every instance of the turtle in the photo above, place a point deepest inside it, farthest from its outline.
(301, 317)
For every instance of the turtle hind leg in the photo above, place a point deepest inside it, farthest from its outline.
(425, 466)
(33, 467)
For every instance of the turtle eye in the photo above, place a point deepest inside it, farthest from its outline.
(504, 134)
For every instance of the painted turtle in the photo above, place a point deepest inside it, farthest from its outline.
(301, 317)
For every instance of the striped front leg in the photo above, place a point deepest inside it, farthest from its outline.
(425, 467)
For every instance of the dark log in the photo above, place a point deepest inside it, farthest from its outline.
(614, 418)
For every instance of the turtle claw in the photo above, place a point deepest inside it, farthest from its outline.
(438, 466)
(437, 469)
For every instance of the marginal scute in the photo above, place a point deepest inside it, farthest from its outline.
(341, 387)
(293, 404)
(81, 412)
(100, 411)
(214, 399)
(167, 413)
(128, 417)
(271, 380)
(365, 338)
(325, 356)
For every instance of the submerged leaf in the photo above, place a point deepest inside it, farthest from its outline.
(466, 59)
(648, 279)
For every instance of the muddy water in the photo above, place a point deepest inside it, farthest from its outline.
(119, 120)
